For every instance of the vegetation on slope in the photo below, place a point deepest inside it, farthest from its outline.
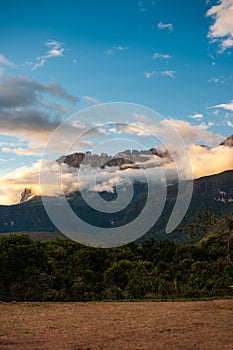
(63, 270)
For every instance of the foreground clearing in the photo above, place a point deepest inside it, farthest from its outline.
(201, 325)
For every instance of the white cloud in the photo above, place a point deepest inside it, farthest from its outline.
(215, 80)
(4, 61)
(197, 116)
(226, 106)
(120, 48)
(204, 161)
(161, 56)
(149, 75)
(56, 49)
(167, 26)
(109, 52)
(91, 100)
(208, 161)
(13, 183)
(192, 133)
(19, 151)
(165, 73)
(115, 49)
(222, 28)
(108, 185)
(168, 73)
(164, 129)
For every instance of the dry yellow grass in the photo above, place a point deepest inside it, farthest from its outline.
(202, 325)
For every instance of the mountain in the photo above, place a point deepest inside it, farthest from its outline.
(124, 160)
(214, 193)
(227, 142)
(26, 195)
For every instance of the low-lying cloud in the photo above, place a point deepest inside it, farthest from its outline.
(204, 161)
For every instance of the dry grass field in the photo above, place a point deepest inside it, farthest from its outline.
(201, 325)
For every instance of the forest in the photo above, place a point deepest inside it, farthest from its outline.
(64, 270)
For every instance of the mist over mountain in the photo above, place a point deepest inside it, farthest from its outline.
(213, 192)
(127, 158)
(124, 160)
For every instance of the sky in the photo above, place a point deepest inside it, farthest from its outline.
(172, 56)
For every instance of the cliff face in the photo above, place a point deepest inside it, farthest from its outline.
(126, 159)
(227, 142)
(26, 195)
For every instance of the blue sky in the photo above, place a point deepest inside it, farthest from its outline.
(89, 31)
(174, 56)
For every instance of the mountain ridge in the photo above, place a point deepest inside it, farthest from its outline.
(126, 157)
(213, 192)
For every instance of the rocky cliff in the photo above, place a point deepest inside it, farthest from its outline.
(126, 159)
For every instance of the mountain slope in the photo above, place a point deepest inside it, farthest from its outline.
(213, 192)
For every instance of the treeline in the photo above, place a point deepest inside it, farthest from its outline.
(63, 270)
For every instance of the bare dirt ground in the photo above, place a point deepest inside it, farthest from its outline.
(202, 325)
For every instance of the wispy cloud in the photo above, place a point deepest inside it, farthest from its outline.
(197, 116)
(91, 100)
(141, 6)
(18, 151)
(161, 56)
(168, 73)
(4, 61)
(146, 5)
(149, 75)
(115, 49)
(214, 80)
(168, 26)
(164, 73)
(55, 49)
(225, 106)
(222, 28)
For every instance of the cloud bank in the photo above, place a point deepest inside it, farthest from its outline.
(204, 161)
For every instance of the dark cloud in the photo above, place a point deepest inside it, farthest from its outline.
(26, 120)
(31, 111)
(20, 91)
(57, 90)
